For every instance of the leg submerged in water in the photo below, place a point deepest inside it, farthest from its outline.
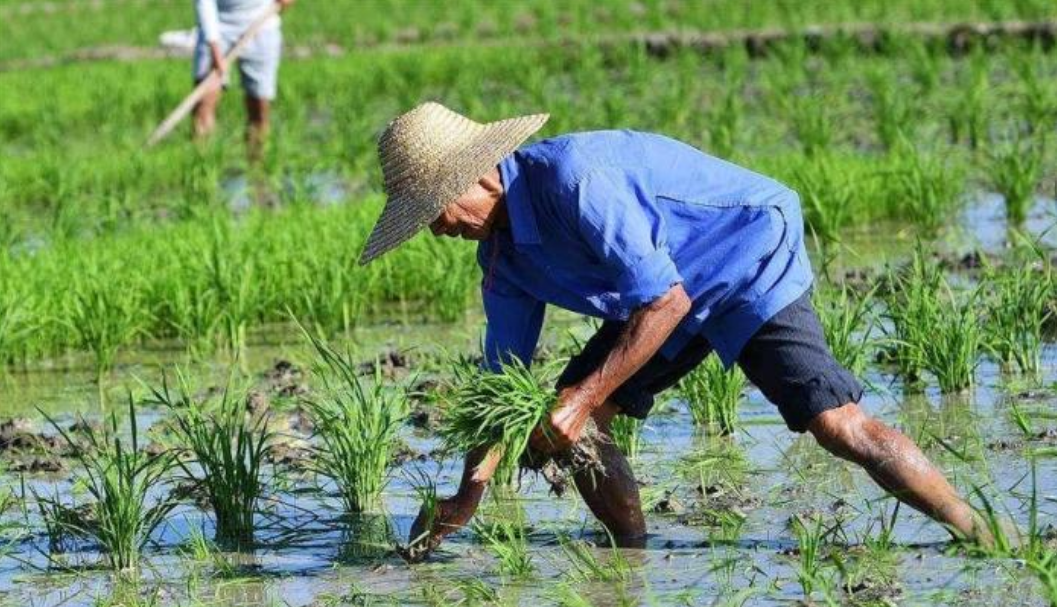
(896, 464)
(613, 497)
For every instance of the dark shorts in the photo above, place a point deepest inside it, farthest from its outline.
(787, 359)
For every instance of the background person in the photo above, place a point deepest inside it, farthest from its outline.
(220, 24)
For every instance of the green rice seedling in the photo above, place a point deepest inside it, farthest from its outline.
(16, 327)
(627, 434)
(715, 462)
(120, 480)
(812, 122)
(911, 303)
(1017, 308)
(356, 425)
(1038, 92)
(893, 112)
(847, 321)
(953, 352)
(585, 566)
(104, 317)
(810, 536)
(366, 538)
(713, 394)
(1015, 169)
(227, 446)
(724, 122)
(925, 67)
(498, 411)
(968, 115)
(507, 540)
(826, 195)
(924, 185)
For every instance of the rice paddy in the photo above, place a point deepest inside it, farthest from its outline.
(206, 401)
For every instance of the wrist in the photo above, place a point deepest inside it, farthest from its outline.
(580, 396)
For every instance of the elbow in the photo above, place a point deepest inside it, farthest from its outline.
(675, 302)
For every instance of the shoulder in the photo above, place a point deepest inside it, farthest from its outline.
(563, 161)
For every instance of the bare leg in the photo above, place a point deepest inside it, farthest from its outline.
(613, 497)
(896, 464)
(205, 114)
(257, 114)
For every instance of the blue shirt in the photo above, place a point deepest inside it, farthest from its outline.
(605, 222)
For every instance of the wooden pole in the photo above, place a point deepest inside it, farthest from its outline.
(213, 79)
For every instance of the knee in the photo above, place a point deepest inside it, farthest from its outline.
(846, 432)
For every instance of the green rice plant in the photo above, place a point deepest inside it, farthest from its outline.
(227, 447)
(812, 122)
(507, 539)
(911, 306)
(627, 434)
(847, 321)
(1037, 89)
(893, 112)
(1017, 308)
(724, 122)
(926, 186)
(498, 411)
(104, 317)
(1014, 170)
(810, 536)
(585, 566)
(713, 393)
(120, 481)
(16, 328)
(356, 426)
(968, 115)
(953, 352)
(826, 195)
(715, 462)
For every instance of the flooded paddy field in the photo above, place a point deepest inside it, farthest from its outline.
(185, 336)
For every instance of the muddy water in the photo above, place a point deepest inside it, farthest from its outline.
(309, 555)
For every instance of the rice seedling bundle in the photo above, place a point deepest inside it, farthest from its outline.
(500, 411)
(121, 481)
(356, 425)
(713, 393)
(227, 447)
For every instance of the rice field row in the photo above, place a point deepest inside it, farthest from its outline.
(54, 27)
(95, 223)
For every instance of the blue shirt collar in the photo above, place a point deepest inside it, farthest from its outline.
(518, 202)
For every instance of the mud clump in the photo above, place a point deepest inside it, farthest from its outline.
(285, 380)
(559, 468)
(391, 364)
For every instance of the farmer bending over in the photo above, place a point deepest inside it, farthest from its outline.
(682, 254)
(220, 24)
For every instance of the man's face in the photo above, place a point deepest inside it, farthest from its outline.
(470, 216)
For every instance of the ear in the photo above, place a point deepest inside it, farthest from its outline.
(491, 182)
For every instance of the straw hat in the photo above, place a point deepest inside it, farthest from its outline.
(430, 156)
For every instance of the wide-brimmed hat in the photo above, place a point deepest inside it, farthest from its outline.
(430, 156)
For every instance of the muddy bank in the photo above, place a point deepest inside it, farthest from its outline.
(955, 38)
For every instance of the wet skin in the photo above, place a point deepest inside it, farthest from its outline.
(889, 457)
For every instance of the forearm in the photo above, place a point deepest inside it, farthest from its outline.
(478, 469)
(645, 332)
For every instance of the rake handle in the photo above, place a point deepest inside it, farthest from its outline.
(213, 79)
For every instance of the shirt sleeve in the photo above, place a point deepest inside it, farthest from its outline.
(618, 218)
(208, 19)
(514, 321)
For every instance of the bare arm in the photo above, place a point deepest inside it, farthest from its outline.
(455, 512)
(646, 331)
